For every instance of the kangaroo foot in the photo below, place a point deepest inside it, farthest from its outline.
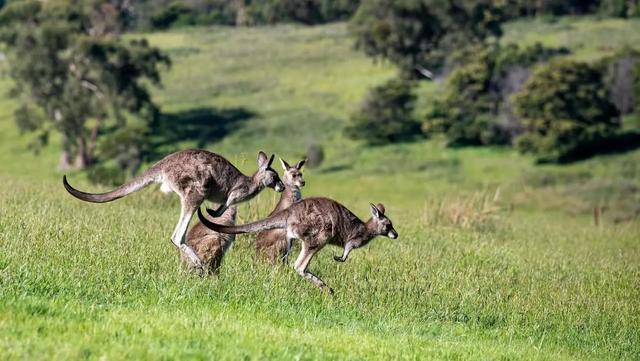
(193, 257)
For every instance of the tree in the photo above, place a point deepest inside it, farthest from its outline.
(475, 108)
(564, 105)
(74, 75)
(385, 115)
(413, 33)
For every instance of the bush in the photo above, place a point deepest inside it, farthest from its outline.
(385, 115)
(173, 14)
(423, 32)
(564, 105)
(475, 108)
(620, 8)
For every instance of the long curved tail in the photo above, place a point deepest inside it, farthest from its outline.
(137, 183)
(278, 220)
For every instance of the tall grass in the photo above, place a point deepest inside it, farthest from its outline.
(497, 258)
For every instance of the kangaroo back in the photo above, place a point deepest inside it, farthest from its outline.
(278, 220)
(137, 183)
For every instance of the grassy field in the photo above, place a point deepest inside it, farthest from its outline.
(497, 258)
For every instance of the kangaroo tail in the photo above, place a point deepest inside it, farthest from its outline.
(137, 183)
(276, 221)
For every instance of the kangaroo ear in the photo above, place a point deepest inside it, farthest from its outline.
(284, 164)
(374, 211)
(262, 159)
(380, 207)
(270, 161)
(301, 163)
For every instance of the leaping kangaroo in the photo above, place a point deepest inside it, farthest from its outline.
(195, 175)
(318, 222)
(272, 244)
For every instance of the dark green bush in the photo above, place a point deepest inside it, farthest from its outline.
(423, 32)
(385, 115)
(620, 8)
(475, 107)
(171, 15)
(564, 105)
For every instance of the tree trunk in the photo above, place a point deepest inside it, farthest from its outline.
(93, 141)
(82, 160)
(65, 157)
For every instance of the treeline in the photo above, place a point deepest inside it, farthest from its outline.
(162, 14)
(532, 98)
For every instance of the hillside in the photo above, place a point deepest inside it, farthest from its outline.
(497, 258)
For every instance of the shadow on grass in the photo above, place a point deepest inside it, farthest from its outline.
(618, 143)
(200, 125)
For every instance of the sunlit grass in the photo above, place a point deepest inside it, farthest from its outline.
(535, 279)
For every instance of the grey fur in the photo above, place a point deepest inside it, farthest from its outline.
(210, 246)
(272, 244)
(195, 175)
(318, 222)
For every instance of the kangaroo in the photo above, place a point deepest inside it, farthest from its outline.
(272, 244)
(195, 175)
(210, 246)
(317, 222)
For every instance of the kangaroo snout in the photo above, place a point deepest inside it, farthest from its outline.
(279, 187)
(393, 234)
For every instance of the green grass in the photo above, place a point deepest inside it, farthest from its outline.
(527, 276)
(588, 38)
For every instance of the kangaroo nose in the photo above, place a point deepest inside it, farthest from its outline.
(279, 187)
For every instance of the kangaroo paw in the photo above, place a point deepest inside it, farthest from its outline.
(338, 258)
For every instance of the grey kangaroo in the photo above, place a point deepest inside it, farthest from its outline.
(318, 222)
(210, 246)
(272, 244)
(195, 175)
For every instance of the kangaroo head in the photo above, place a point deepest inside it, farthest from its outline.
(380, 224)
(266, 175)
(292, 176)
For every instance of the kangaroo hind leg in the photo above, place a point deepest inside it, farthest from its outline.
(189, 205)
(302, 263)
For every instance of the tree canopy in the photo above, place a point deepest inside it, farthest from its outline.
(74, 74)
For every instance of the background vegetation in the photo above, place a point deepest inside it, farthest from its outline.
(498, 257)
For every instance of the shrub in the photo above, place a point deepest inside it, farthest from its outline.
(564, 105)
(315, 155)
(422, 32)
(475, 108)
(385, 115)
(171, 15)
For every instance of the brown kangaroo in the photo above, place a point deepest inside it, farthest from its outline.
(317, 222)
(210, 246)
(272, 244)
(195, 175)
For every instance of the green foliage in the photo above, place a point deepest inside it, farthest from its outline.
(564, 104)
(423, 32)
(174, 14)
(247, 12)
(67, 61)
(475, 109)
(535, 281)
(385, 115)
(620, 8)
